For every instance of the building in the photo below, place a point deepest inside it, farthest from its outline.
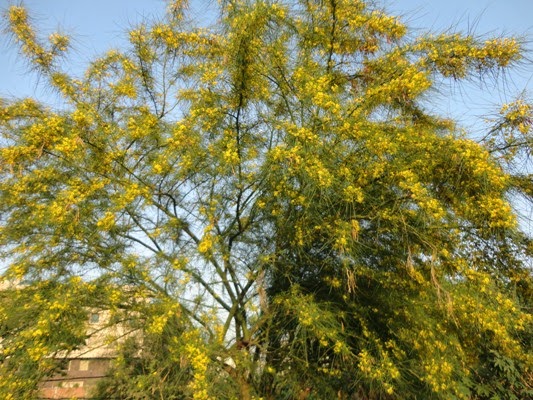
(87, 365)
(84, 367)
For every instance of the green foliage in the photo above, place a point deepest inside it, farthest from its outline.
(269, 210)
(39, 325)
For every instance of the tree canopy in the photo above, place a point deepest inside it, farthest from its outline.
(273, 204)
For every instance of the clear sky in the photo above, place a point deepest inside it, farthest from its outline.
(97, 25)
(468, 102)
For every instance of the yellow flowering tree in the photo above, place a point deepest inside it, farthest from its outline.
(270, 203)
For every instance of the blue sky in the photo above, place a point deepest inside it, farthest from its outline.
(486, 18)
(97, 25)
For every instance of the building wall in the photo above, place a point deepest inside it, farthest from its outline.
(88, 364)
(79, 378)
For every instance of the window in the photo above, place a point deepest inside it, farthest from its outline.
(71, 384)
(84, 365)
(78, 365)
(94, 318)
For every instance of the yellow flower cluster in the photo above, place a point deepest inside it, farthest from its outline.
(158, 322)
(141, 124)
(502, 50)
(125, 88)
(208, 240)
(345, 232)
(437, 374)
(380, 369)
(498, 211)
(401, 80)
(59, 42)
(197, 356)
(386, 25)
(107, 222)
(18, 18)
(454, 55)
(518, 114)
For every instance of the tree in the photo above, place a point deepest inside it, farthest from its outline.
(270, 202)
